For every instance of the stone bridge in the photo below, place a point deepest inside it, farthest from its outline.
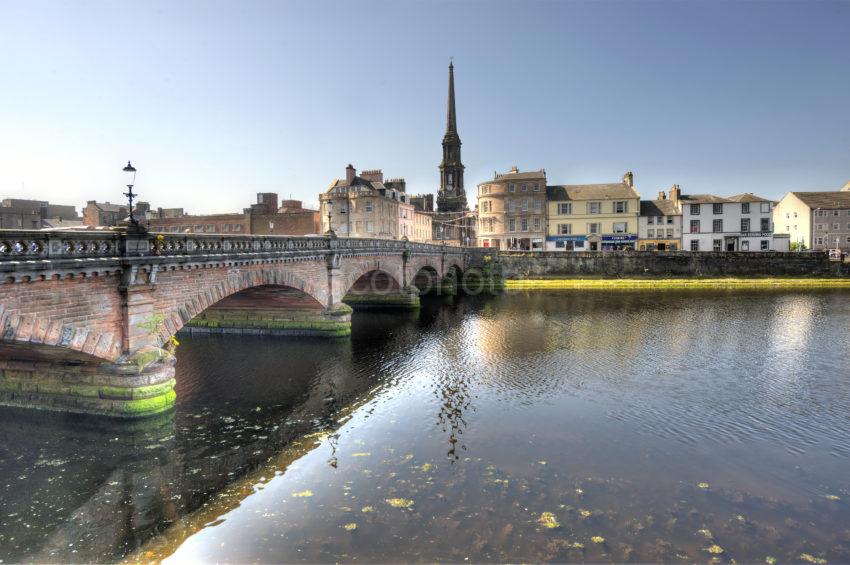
(87, 317)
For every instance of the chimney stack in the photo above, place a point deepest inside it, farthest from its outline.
(675, 193)
(514, 169)
(662, 195)
(846, 187)
(629, 179)
(350, 173)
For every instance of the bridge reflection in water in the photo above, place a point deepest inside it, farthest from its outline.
(95, 489)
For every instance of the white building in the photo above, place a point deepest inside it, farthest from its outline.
(737, 223)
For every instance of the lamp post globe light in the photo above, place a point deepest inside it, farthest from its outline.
(130, 181)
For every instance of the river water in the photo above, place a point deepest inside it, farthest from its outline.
(583, 426)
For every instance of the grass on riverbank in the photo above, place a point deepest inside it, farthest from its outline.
(662, 284)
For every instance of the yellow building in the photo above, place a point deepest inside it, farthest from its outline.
(593, 217)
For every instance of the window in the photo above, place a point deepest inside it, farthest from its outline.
(820, 227)
(524, 187)
(835, 213)
(536, 187)
(650, 233)
(717, 226)
(694, 209)
(565, 208)
(237, 227)
(717, 208)
(485, 206)
(369, 207)
(565, 229)
(538, 205)
(765, 207)
(787, 228)
(594, 228)
(745, 245)
(512, 225)
(370, 227)
(745, 225)
(669, 220)
(511, 187)
(821, 213)
(525, 204)
(512, 205)
(694, 245)
(650, 220)
(594, 207)
(836, 226)
(537, 223)
(694, 226)
(524, 224)
(669, 232)
(765, 245)
(848, 239)
(621, 207)
(745, 208)
(621, 227)
(717, 245)
(765, 224)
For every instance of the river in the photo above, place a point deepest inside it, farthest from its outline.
(571, 426)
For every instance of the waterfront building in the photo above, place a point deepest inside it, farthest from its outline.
(17, 213)
(593, 217)
(736, 223)
(660, 222)
(422, 226)
(453, 223)
(104, 214)
(815, 220)
(367, 206)
(263, 218)
(512, 210)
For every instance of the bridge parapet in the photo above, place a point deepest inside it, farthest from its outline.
(34, 245)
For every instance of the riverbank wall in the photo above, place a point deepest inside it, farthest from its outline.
(657, 265)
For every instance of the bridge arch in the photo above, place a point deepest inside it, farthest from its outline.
(213, 289)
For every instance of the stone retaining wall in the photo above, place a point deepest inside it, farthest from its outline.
(665, 264)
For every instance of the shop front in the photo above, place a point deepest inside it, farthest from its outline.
(659, 245)
(619, 242)
(566, 243)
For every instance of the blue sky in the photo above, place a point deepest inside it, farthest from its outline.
(215, 101)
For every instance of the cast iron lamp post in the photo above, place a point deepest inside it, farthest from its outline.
(130, 177)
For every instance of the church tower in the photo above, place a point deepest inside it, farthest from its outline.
(451, 196)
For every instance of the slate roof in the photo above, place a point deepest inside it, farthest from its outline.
(591, 192)
(658, 208)
(526, 175)
(826, 200)
(108, 207)
(703, 199)
(747, 197)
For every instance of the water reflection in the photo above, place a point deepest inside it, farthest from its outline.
(563, 427)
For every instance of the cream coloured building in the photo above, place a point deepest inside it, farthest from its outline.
(512, 211)
(815, 220)
(422, 226)
(367, 206)
(593, 217)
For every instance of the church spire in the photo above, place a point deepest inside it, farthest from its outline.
(451, 196)
(451, 120)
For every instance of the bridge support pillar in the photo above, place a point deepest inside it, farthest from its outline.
(325, 322)
(108, 389)
(404, 298)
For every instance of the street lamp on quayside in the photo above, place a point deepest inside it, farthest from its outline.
(130, 179)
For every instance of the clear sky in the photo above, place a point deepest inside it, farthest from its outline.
(217, 100)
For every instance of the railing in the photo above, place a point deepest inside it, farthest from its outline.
(35, 245)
